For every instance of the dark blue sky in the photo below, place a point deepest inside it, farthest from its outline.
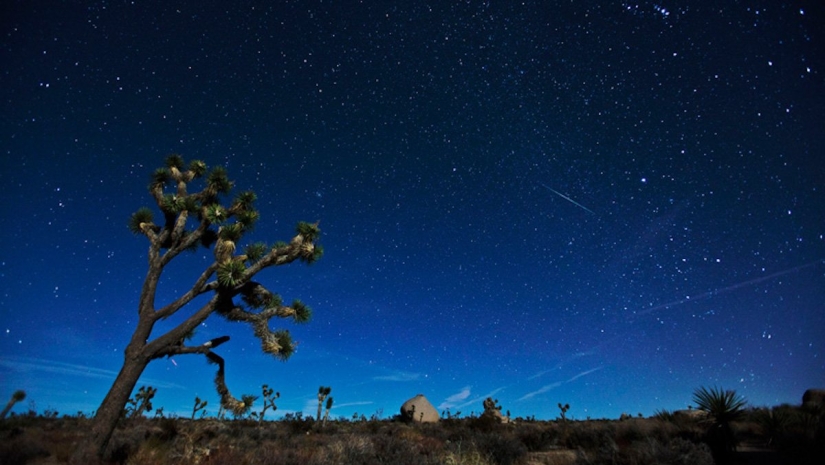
(607, 204)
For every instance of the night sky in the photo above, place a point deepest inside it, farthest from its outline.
(601, 203)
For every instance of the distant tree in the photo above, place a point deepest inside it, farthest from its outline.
(17, 396)
(142, 402)
(326, 412)
(270, 396)
(199, 405)
(323, 392)
(188, 221)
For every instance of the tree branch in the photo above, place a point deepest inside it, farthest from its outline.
(173, 337)
(201, 349)
(278, 343)
(198, 288)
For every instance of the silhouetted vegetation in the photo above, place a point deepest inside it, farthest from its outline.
(782, 434)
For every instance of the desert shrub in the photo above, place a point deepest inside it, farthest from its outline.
(587, 436)
(290, 453)
(648, 451)
(21, 449)
(484, 423)
(628, 432)
(349, 449)
(225, 455)
(501, 449)
(537, 437)
(460, 454)
(168, 429)
(675, 452)
(411, 447)
(298, 424)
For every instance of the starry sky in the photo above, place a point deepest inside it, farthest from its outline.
(601, 203)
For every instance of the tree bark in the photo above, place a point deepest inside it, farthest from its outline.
(92, 448)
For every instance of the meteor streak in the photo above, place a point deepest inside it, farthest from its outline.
(566, 198)
(730, 288)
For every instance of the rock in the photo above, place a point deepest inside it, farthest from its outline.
(691, 413)
(419, 409)
(814, 398)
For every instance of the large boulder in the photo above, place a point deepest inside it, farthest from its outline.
(419, 409)
(814, 398)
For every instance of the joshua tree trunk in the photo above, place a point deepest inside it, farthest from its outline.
(111, 410)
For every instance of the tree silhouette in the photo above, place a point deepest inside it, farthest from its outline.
(323, 392)
(188, 221)
(18, 396)
(723, 408)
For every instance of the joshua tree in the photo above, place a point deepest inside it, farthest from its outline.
(723, 408)
(199, 405)
(326, 412)
(189, 220)
(269, 401)
(564, 408)
(18, 396)
(142, 402)
(323, 392)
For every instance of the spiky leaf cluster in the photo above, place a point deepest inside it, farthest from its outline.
(258, 297)
(144, 215)
(215, 213)
(160, 178)
(255, 252)
(278, 343)
(218, 181)
(231, 273)
(312, 253)
(231, 232)
(175, 161)
(245, 200)
(198, 168)
(309, 231)
(302, 312)
(174, 204)
(248, 218)
(724, 406)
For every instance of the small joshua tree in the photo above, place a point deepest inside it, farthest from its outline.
(142, 402)
(199, 405)
(189, 220)
(323, 392)
(269, 401)
(18, 396)
(326, 412)
(564, 408)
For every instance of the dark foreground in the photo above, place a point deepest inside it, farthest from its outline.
(468, 441)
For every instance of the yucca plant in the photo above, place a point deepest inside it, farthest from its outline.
(723, 407)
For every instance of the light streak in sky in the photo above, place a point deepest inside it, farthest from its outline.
(566, 198)
(730, 288)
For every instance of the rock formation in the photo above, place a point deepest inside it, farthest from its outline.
(419, 409)
(814, 398)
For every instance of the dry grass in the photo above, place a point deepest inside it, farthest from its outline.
(468, 441)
